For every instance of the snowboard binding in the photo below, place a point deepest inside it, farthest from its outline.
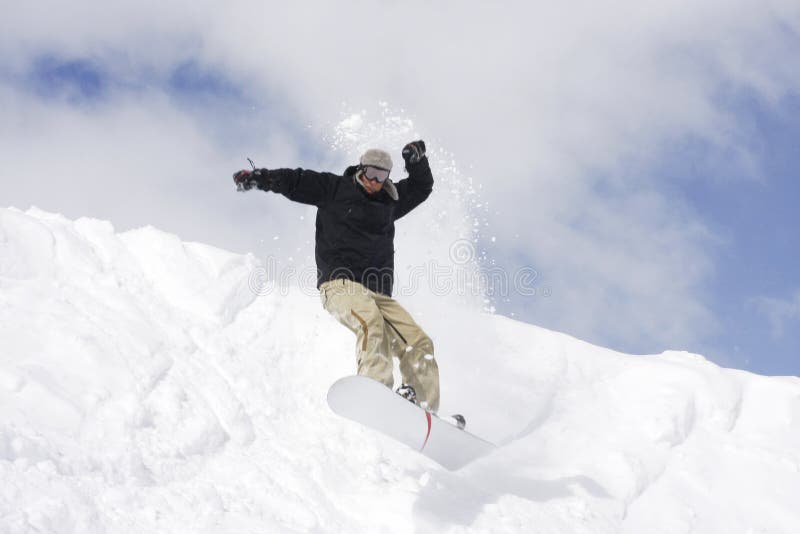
(459, 420)
(408, 393)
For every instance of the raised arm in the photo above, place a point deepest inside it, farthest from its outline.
(413, 191)
(300, 185)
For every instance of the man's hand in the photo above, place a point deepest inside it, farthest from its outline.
(414, 151)
(246, 180)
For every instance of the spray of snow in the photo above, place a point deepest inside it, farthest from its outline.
(442, 235)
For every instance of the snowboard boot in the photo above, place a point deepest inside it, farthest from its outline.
(407, 392)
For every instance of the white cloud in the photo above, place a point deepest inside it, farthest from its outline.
(559, 110)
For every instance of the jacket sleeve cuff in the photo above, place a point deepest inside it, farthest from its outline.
(420, 172)
(419, 167)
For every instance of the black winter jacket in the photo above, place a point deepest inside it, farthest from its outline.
(355, 231)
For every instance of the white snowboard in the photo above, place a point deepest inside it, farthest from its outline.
(372, 404)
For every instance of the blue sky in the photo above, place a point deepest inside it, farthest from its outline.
(656, 198)
(758, 219)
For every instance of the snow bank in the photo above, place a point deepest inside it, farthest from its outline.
(144, 387)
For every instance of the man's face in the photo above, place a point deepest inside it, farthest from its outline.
(372, 186)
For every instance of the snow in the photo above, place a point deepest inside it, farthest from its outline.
(145, 387)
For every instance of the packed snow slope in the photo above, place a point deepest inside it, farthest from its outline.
(145, 387)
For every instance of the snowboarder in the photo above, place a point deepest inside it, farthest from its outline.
(355, 259)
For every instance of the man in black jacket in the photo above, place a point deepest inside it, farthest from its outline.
(355, 259)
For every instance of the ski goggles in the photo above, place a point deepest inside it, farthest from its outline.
(375, 174)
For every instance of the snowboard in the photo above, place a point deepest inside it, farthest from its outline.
(374, 405)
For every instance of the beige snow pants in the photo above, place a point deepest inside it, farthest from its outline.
(384, 329)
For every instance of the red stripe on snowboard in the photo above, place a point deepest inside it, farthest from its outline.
(428, 416)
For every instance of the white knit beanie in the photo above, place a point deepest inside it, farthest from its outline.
(375, 157)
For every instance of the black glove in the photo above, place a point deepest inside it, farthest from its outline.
(414, 151)
(246, 180)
